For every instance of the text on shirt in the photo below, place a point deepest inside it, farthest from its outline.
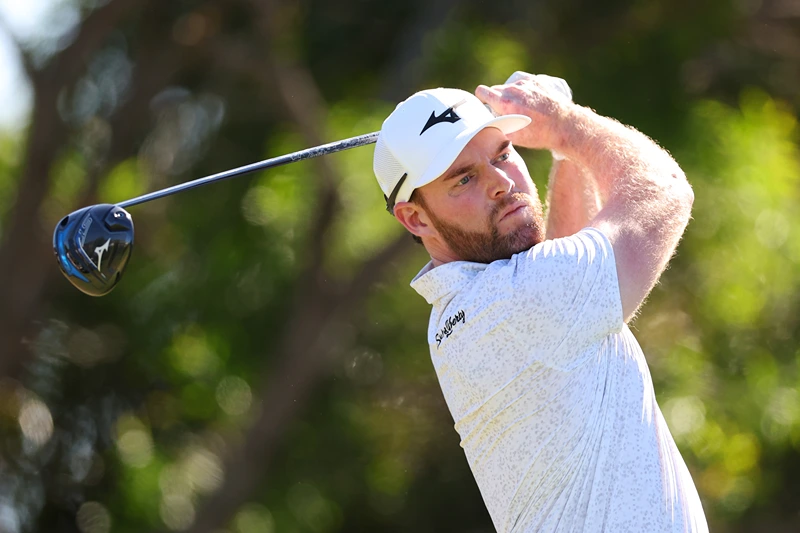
(448, 326)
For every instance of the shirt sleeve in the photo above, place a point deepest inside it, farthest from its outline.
(562, 297)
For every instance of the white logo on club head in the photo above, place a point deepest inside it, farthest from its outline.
(100, 250)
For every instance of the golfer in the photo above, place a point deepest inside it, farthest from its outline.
(550, 392)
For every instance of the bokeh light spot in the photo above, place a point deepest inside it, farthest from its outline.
(9, 519)
(173, 481)
(784, 406)
(771, 229)
(93, 517)
(192, 354)
(134, 443)
(85, 348)
(36, 422)
(686, 415)
(233, 395)
(254, 519)
(177, 511)
(203, 470)
(741, 453)
(311, 508)
(738, 494)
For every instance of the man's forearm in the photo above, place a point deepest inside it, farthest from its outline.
(572, 199)
(646, 200)
(622, 160)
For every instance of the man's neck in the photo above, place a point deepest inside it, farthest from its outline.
(440, 255)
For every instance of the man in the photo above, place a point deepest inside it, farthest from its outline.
(547, 386)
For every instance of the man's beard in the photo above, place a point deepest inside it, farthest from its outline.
(490, 245)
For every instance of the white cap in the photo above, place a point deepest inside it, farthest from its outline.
(425, 134)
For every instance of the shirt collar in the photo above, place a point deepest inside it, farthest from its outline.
(434, 283)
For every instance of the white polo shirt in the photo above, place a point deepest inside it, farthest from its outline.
(551, 394)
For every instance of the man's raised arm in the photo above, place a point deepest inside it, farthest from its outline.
(647, 200)
(572, 199)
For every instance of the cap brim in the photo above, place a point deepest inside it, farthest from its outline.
(505, 123)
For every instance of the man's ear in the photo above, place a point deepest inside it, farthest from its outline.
(414, 218)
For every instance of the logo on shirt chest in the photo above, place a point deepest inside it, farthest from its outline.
(449, 324)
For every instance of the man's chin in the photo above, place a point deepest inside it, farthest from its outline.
(485, 248)
(519, 240)
(494, 244)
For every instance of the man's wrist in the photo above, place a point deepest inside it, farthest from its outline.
(568, 128)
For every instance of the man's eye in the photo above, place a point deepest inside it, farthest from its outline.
(503, 157)
(464, 180)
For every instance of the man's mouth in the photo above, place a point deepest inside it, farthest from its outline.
(514, 209)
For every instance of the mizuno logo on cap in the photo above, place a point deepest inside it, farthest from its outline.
(447, 116)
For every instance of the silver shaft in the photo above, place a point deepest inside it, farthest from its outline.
(308, 153)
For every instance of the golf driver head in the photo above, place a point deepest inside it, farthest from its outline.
(93, 245)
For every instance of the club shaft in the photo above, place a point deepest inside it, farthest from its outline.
(308, 153)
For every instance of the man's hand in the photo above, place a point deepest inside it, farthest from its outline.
(646, 200)
(572, 199)
(544, 99)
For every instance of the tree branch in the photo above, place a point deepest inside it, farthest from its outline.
(24, 55)
(300, 98)
(403, 75)
(155, 67)
(306, 106)
(319, 306)
(25, 250)
(286, 390)
(68, 65)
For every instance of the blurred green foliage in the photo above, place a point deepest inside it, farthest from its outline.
(123, 416)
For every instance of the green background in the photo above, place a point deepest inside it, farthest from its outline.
(262, 367)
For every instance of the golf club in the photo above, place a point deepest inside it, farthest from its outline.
(105, 232)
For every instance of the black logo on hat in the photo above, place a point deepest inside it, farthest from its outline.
(447, 116)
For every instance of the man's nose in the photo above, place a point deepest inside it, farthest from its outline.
(499, 183)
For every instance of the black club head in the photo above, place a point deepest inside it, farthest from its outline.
(93, 245)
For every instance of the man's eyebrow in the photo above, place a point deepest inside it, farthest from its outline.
(466, 168)
(503, 145)
(458, 171)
